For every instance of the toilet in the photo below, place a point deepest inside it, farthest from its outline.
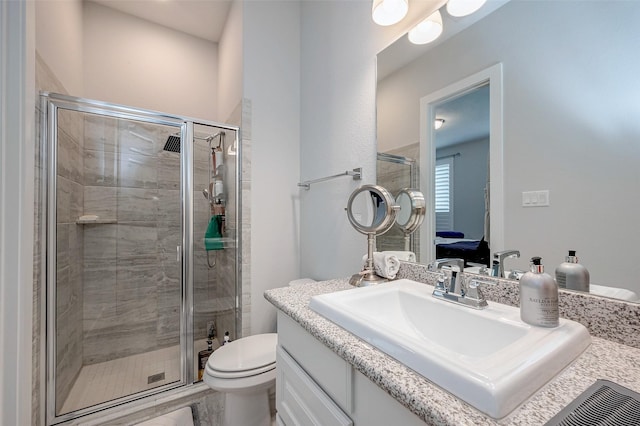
(244, 369)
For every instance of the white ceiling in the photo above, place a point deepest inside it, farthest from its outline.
(199, 18)
(466, 118)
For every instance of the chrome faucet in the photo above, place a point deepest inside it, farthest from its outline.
(437, 264)
(450, 275)
(497, 270)
(452, 285)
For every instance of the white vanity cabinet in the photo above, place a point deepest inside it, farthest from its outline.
(314, 386)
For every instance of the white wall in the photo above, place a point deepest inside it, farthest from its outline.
(17, 178)
(339, 47)
(570, 114)
(469, 180)
(134, 62)
(271, 50)
(59, 31)
(230, 63)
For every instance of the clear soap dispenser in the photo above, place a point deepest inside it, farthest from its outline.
(539, 297)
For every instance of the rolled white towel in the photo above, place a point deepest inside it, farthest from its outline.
(405, 256)
(385, 265)
(301, 281)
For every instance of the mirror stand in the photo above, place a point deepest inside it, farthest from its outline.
(371, 211)
(368, 275)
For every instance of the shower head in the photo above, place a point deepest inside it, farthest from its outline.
(172, 144)
(173, 141)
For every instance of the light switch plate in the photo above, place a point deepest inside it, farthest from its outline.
(535, 198)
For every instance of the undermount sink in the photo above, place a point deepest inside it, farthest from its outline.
(488, 358)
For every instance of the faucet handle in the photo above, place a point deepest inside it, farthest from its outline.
(440, 282)
(474, 291)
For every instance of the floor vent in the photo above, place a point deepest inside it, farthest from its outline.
(155, 378)
(604, 404)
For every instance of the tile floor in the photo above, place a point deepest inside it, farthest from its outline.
(105, 381)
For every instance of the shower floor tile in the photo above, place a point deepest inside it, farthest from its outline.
(105, 381)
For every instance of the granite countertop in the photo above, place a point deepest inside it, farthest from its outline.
(604, 359)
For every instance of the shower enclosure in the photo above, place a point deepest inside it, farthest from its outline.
(142, 243)
(396, 172)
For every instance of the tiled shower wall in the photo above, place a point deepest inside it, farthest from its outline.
(214, 287)
(69, 245)
(132, 278)
(131, 275)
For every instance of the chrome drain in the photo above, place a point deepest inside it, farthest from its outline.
(604, 404)
(155, 378)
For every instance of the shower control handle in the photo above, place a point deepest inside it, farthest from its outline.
(178, 253)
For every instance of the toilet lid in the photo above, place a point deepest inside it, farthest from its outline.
(256, 352)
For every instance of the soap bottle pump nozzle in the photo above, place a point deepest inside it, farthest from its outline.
(572, 258)
(536, 265)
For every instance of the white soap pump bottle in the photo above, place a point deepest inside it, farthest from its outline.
(572, 275)
(539, 297)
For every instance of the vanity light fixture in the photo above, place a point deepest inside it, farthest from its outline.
(389, 12)
(427, 30)
(458, 8)
(437, 123)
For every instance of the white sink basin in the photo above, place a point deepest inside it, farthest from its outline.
(488, 358)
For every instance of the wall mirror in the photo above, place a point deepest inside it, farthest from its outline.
(569, 126)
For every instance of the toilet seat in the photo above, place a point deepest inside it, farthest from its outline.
(244, 357)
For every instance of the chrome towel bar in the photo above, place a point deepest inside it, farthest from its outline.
(356, 173)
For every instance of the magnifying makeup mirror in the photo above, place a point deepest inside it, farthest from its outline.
(372, 211)
(412, 210)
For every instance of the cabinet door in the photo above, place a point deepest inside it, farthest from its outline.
(300, 401)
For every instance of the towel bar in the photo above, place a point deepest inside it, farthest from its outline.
(356, 173)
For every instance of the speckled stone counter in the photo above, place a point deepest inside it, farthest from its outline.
(604, 359)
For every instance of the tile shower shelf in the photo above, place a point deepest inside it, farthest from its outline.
(94, 221)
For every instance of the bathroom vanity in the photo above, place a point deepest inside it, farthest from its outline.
(326, 372)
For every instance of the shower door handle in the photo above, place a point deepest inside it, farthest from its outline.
(178, 253)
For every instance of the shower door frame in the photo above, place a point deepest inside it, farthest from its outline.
(50, 104)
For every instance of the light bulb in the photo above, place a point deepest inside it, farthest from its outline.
(460, 8)
(437, 123)
(427, 30)
(389, 12)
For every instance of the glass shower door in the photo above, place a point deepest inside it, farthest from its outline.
(214, 240)
(117, 297)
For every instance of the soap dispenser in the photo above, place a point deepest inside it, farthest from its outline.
(572, 275)
(538, 296)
